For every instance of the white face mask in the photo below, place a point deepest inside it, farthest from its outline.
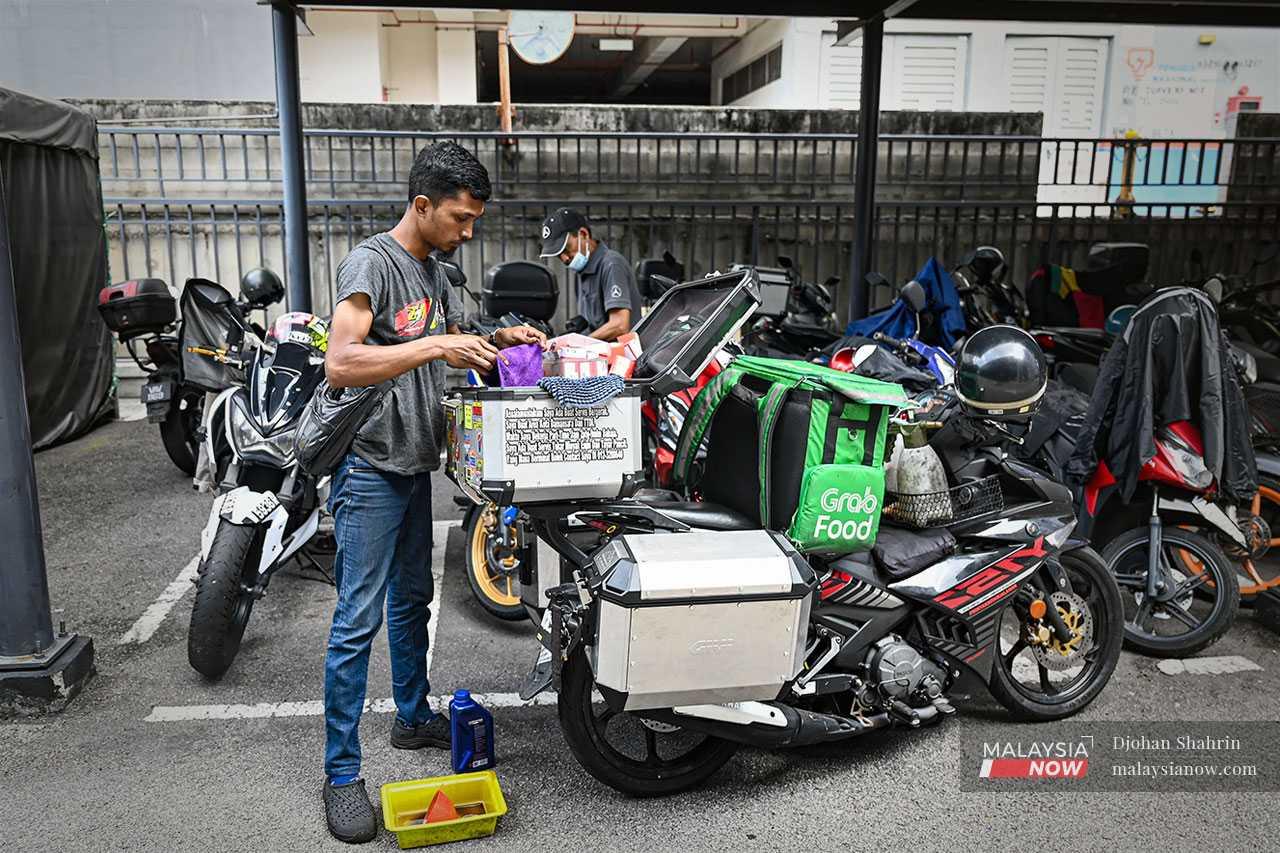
(579, 261)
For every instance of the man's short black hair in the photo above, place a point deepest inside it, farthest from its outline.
(444, 170)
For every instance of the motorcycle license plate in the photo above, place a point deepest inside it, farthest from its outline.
(157, 392)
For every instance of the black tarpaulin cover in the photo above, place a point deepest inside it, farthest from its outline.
(53, 197)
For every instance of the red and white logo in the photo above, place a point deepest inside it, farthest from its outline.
(1038, 760)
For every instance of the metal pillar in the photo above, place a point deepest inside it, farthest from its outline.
(39, 671)
(864, 185)
(25, 624)
(284, 26)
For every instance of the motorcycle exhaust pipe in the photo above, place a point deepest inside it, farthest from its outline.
(801, 727)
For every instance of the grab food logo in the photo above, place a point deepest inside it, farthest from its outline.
(1036, 760)
(846, 504)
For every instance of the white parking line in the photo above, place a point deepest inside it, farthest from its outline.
(151, 618)
(1222, 665)
(315, 708)
(159, 610)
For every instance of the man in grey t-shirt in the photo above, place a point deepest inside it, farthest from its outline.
(395, 319)
(608, 297)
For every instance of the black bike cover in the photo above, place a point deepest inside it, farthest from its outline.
(53, 197)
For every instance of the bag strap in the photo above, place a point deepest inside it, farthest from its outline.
(698, 420)
(770, 409)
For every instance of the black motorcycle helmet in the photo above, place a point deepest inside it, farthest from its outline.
(988, 264)
(261, 287)
(1001, 373)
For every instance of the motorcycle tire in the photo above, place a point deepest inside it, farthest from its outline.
(1087, 572)
(1125, 549)
(578, 722)
(491, 597)
(178, 431)
(222, 607)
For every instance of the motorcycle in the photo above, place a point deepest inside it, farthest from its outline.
(1017, 597)
(998, 589)
(267, 510)
(796, 318)
(143, 313)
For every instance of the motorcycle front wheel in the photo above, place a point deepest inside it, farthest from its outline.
(491, 567)
(1047, 679)
(638, 757)
(222, 606)
(1201, 608)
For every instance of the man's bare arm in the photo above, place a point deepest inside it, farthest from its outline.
(619, 323)
(350, 362)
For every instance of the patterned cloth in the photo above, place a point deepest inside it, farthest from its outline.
(586, 393)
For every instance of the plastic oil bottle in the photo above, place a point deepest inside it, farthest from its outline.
(471, 727)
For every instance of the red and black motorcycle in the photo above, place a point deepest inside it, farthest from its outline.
(1180, 589)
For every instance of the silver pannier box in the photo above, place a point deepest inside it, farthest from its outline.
(519, 446)
(704, 617)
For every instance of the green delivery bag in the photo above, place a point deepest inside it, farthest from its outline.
(819, 433)
(838, 510)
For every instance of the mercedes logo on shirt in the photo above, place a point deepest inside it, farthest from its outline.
(546, 232)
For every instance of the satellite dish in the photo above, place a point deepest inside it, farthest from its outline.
(540, 38)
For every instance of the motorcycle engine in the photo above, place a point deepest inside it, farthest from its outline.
(895, 667)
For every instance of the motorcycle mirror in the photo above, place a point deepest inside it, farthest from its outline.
(874, 280)
(913, 294)
(210, 295)
(785, 262)
(454, 273)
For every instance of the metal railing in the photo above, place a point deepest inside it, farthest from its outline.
(149, 161)
(222, 238)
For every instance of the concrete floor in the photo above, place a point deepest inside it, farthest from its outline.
(122, 770)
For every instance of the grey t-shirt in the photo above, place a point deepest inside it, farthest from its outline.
(607, 282)
(410, 300)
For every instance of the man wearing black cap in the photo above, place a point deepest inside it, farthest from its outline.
(607, 294)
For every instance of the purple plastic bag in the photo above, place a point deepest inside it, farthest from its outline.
(520, 366)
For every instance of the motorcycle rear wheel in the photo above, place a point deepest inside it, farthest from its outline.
(222, 606)
(1198, 564)
(494, 586)
(178, 430)
(585, 730)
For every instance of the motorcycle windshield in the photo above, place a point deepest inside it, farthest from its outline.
(281, 382)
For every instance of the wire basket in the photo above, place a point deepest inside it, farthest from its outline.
(934, 509)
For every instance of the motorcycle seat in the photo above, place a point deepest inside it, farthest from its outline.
(701, 515)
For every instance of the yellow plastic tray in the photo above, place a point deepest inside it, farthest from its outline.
(401, 800)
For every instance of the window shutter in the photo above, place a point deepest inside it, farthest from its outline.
(841, 77)
(925, 72)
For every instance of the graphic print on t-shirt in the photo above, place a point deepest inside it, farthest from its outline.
(411, 320)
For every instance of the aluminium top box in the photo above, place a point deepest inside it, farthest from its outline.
(518, 445)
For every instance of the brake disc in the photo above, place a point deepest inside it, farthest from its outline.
(1057, 655)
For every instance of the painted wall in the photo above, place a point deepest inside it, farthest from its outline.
(341, 62)
(207, 49)
(1160, 81)
(410, 53)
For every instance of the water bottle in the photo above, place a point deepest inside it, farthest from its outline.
(472, 729)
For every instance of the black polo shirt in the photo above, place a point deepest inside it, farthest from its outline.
(607, 282)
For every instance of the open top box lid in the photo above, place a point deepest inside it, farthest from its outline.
(688, 325)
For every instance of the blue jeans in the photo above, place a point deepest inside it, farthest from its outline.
(382, 523)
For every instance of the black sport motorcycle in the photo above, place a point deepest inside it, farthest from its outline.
(795, 318)
(143, 313)
(1000, 591)
(268, 509)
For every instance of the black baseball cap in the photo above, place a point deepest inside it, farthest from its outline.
(556, 229)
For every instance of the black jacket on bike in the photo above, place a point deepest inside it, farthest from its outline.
(1171, 364)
